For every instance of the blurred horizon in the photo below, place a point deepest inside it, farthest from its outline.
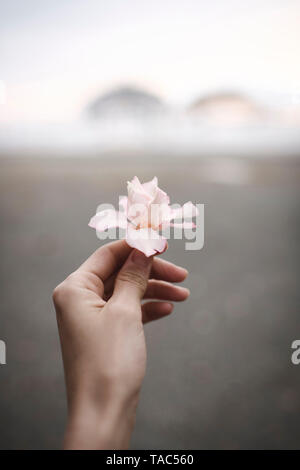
(177, 53)
(133, 118)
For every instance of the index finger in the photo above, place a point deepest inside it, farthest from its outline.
(107, 259)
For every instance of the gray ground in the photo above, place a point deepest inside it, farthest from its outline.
(219, 370)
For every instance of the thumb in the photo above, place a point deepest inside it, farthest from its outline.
(131, 281)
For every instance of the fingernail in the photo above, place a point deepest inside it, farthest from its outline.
(140, 259)
(170, 305)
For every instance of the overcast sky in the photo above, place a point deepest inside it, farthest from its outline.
(56, 55)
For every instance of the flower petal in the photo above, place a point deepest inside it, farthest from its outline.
(161, 197)
(136, 193)
(187, 211)
(151, 187)
(182, 224)
(138, 200)
(146, 240)
(108, 219)
(158, 213)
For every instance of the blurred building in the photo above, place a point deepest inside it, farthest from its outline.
(126, 102)
(228, 108)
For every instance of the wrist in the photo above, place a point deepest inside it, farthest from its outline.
(100, 424)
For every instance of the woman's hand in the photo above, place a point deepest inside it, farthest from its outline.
(100, 320)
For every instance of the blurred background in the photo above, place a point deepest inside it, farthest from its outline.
(206, 96)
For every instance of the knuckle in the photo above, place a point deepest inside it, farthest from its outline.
(58, 294)
(73, 278)
(64, 290)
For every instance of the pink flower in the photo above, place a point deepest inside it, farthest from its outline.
(144, 213)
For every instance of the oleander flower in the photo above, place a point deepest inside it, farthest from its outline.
(144, 213)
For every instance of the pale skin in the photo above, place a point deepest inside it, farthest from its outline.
(101, 315)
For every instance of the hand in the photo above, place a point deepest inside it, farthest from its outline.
(100, 320)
